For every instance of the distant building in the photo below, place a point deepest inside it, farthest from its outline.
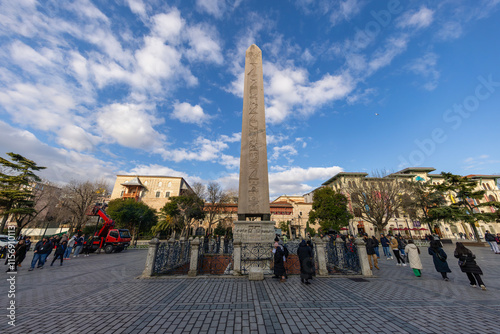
(154, 191)
(400, 223)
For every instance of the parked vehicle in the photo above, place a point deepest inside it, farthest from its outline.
(108, 238)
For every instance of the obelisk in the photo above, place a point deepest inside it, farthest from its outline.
(253, 200)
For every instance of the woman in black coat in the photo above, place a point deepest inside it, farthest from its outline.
(439, 259)
(279, 262)
(305, 254)
(468, 265)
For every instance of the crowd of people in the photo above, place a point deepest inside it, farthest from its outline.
(62, 247)
(407, 253)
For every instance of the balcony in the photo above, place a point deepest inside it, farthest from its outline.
(134, 195)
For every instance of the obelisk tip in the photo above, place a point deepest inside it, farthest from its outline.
(253, 47)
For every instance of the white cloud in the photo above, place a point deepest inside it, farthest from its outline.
(450, 30)
(285, 151)
(130, 125)
(345, 11)
(202, 149)
(229, 161)
(137, 7)
(168, 26)
(212, 7)
(289, 89)
(426, 67)
(204, 44)
(393, 48)
(75, 138)
(188, 113)
(43, 107)
(235, 137)
(62, 165)
(416, 19)
(292, 181)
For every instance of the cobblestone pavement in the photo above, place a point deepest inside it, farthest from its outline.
(102, 294)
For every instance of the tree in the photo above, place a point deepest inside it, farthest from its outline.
(46, 198)
(183, 211)
(215, 205)
(80, 197)
(16, 181)
(378, 199)
(135, 216)
(284, 226)
(420, 198)
(463, 206)
(330, 209)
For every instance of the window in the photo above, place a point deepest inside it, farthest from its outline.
(169, 184)
(157, 194)
(113, 234)
(167, 194)
(159, 184)
(488, 185)
(121, 194)
(484, 186)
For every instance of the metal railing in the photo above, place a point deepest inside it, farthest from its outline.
(342, 257)
(256, 255)
(172, 258)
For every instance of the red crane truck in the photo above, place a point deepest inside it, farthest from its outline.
(109, 238)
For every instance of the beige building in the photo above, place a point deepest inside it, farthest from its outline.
(403, 224)
(154, 191)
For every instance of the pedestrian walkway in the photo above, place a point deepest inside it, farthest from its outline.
(102, 294)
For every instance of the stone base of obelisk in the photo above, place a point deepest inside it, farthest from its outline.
(257, 238)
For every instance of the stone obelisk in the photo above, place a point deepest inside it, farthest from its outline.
(254, 214)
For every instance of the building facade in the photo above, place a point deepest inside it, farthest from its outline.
(155, 191)
(401, 223)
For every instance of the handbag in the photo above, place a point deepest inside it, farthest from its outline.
(462, 263)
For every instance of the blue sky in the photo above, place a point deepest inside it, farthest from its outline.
(92, 89)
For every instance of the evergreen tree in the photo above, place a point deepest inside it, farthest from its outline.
(462, 206)
(16, 193)
(329, 209)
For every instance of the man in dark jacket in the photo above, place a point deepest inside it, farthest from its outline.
(370, 251)
(60, 252)
(490, 238)
(386, 246)
(42, 249)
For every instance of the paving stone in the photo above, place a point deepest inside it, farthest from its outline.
(103, 292)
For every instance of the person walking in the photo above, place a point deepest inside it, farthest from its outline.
(59, 253)
(370, 251)
(19, 255)
(306, 262)
(279, 262)
(468, 265)
(71, 244)
(401, 245)
(439, 258)
(395, 250)
(42, 249)
(413, 255)
(490, 239)
(386, 246)
(87, 247)
(375, 248)
(79, 245)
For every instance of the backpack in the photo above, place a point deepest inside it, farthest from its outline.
(285, 251)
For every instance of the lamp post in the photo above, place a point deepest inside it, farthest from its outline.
(408, 227)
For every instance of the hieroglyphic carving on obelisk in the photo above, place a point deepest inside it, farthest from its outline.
(253, 198)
